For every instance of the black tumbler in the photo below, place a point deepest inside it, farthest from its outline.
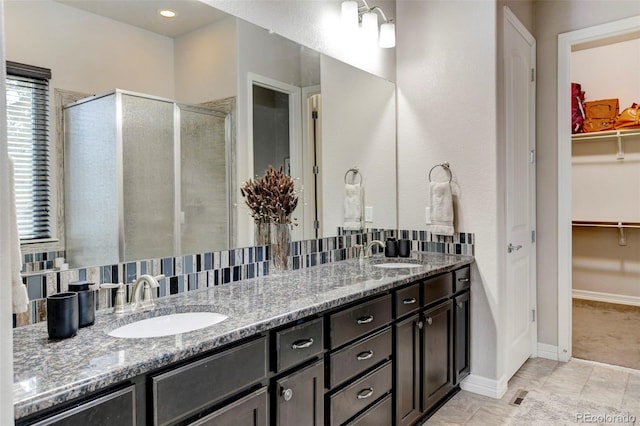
(391, 247)
(86, 302)
(404, 248)
(62, 315)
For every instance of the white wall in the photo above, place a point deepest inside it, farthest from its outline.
(206, 63)
(316, 24)
(447, 112)
(553, 18)
(350, 138)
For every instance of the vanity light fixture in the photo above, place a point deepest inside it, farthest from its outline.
(167, 13)
(367, 17)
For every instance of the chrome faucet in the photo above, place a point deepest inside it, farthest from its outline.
(366, 252)
(141, 295)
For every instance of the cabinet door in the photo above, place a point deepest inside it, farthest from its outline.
(115, 408)
(300, 397)
(437, 377)
(407, 368)
(461, 348)
(248, 411)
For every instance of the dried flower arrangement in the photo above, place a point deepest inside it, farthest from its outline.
(271, 198)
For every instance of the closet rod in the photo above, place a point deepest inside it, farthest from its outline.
(631, 225)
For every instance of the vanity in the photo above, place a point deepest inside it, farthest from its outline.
(348, 342)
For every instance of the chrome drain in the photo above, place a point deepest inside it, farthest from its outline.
(517, 400)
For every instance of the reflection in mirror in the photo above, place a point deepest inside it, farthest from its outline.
(343, 120)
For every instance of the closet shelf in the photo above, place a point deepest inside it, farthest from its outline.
(620, 226)
(610, 134)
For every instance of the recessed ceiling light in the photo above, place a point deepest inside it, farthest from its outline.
(167, 13)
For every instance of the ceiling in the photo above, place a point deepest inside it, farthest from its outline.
(191, 14)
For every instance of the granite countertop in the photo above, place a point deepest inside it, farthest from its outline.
(47, 372)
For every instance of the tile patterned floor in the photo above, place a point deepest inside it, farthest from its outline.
(577, 392)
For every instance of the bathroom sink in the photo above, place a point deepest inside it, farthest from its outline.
(391, 265)
(167, 325)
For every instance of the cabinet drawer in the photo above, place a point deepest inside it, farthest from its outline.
(359, 356)
(297, 344)
(406, 300)
(360, 394)
(248, 411)
(188, 389)
(359, 320)
(461, 279)
(115, 408)
(437, 288)
(378, 415)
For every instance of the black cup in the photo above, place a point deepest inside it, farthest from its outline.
(404, 248)
(62, 315)
(391, 247)
(86, 302)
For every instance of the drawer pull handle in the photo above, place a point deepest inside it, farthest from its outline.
(287, 394)
(463, 280)
(362, 356)
(429, 320)
(365, 320)
(302, 344)
(365, 393)
(409, 301)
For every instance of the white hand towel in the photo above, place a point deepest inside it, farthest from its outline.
(441, 208)
(20, 298)
(353, 199)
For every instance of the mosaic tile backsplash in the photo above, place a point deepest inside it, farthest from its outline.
(196, 271)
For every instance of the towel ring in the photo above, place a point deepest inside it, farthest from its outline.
(446, 167)
(355, 172)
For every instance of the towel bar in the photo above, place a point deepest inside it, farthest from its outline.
(356, 173)
(446, 167)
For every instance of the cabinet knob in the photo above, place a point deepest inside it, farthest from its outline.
(362, 356)
(365, 393)
(429, 320)
(420, 325)
(302, 344)
(409, 301)
(365, 320)
(287, 394)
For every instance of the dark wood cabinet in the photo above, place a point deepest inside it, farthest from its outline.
(114, 408)
(300, 397)
(461, 347)
(437, 354)
(248, 411)
(407, 368)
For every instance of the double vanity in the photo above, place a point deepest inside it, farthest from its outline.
(358, 342)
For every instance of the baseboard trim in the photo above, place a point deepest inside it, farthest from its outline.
(483, 386)
(547, 351)
(606, 297)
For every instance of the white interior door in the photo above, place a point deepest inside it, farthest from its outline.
(519, 56)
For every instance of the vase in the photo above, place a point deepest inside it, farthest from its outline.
(280, 242)
(263, 233)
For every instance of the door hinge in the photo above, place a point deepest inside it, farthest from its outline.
(314, 115)
(316, 224)
(533, 315)
(533, 236)
(316, 170)
(533, 75)
(532, 156)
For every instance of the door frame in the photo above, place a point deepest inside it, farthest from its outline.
(295, 130)
(565, 43)
(511, 19)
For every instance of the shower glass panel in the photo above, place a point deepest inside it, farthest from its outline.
(204, 198)
(270, 129)
(148, 177)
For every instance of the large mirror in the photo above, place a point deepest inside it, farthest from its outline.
(288, 105)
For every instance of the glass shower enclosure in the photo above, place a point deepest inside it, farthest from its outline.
(145, 178)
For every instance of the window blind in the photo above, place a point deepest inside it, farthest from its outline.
(28, 145)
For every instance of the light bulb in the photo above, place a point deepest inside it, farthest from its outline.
(387, 35)
(350, 15)
(370, 25)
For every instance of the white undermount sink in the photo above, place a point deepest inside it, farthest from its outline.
(167, 325)
(390, 265)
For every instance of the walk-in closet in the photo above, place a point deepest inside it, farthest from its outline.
(606, 210)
